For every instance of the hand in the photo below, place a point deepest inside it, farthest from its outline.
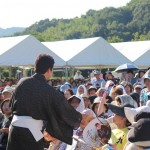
(114, 147)
(101, 107)
(104, 100)
(4, 130)
(49, 138)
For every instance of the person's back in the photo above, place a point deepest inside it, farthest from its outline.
(35, 101)
(30, 97)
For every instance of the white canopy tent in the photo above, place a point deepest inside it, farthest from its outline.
(144, 60)
(69, 48)
(98, 53)
(87, 52)
(23, 50)
(137, 51)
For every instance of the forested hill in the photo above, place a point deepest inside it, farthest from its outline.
(131, 22)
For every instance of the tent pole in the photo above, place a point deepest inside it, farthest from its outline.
(25, 72)
(73, 71)
(66, 73)
(0, 73)
(31, 72)
(10, 72)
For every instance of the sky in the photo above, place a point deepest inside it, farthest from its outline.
(23, 13)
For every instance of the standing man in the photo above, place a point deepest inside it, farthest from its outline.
(131, 78)
(35, 101)
(98, 81)
(78, 75)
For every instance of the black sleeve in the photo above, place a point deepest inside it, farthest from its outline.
(64, 110)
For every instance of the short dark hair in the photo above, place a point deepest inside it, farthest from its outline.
(70, 91)
(130, 71)
(43, 63)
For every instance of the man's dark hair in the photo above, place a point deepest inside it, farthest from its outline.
(70, 91)
(130, 71)
(43, 63)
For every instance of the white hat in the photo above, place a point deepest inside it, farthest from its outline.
(138, 86)
(132, 112)
(78, 71)
(92, 88)
(121, 87)
(97, 100)
(89, 112)
(96, 72)
(148, 103)
(7, 89)
(146, 75)
(84, 95)
(127, 99)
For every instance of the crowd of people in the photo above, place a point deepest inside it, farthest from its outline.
(123, 103)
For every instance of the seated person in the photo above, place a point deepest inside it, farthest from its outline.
(92, 91)
(5, 124)
(77, 103)
(88, 116)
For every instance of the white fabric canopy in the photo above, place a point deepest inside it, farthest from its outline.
(99, 52)
(69, 48)
(137, 51)
(144, 60)
(23, 50)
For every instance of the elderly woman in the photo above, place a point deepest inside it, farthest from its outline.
(81, 90)
(126, 99)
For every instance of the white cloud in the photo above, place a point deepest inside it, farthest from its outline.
(26, 12)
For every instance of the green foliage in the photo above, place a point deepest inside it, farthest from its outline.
(127, 23)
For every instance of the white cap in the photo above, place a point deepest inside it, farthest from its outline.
(138, 86)
(7, 89)
(84, 95)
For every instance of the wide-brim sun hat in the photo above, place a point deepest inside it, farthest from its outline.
(7, 89)
(132, 112)
(119, 110)
(74, 96)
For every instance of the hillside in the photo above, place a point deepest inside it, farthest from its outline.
(127, 23)
(10, 31)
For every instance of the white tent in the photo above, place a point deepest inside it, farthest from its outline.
(144, 60)
(137, 51)
(87, 52)
(69, 48)
(100, 53)
(23, 50)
